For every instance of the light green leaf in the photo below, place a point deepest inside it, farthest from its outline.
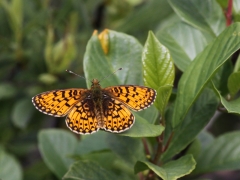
(56, 147)
(10, 168)
(143, 128)
(87, 170)
(22, 112)
(234, 83)
(231, 106)
(169, 171)
(202, 69)
(184, 43)
(222, 154)
(204, 15)
(197, 118)
(164, 92)
(123, 51)
(158, 69)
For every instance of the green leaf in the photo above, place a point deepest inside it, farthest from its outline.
(9, 167)
(234, 83)
(184, 43)
(222, 154)
(158, 69)
(164, 92)
(220, 79)
(232, 106)
(130, 150)
(87, 170)
(206, 16)
(197, 118)
(123, 51)
(7, 90)
(56, 146)
(22, 112)
(202, 69)
(169, 171)
(237, 65)
(142, 128)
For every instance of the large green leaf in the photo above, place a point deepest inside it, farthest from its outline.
(202, 69)
(123, 51)
(87, 170)
(158, 69)
(204, 15)
(56, 147)
(222, 154)
(184, 43)
(197, 118)
(10, 168)
(171, 170)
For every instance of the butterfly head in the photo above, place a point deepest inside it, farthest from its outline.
(95, 83)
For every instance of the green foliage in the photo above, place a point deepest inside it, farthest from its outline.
(182, 49)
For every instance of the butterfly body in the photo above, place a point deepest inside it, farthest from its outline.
(89, 110)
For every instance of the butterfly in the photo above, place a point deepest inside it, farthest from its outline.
(89, 110)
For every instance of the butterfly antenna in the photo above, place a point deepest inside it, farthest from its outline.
(71, 72)
(119, 69)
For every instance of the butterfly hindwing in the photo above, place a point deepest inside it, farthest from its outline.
(118, 117)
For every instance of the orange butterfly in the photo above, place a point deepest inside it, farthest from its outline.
(89, 110)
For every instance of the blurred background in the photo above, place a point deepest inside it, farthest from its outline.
(39, 40)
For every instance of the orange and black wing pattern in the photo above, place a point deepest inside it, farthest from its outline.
(58, 102)
(135, 97)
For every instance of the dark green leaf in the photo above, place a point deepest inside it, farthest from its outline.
(202, 69)
(222, 154)
(87, 170)
(128, 149)
(197, 118)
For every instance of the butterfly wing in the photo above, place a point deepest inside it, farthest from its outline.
(58, 102)
(81, 118)
(135, 97)
(117, 116)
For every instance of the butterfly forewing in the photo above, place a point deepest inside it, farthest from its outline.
(135, 97)
(59, 102)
